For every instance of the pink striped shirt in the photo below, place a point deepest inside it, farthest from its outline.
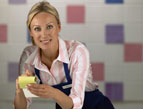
(76, 55)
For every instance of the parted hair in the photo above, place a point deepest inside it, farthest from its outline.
(42, 6)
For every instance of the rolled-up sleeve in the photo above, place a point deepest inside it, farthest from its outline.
(29, 102)
(22, 68)
(79, 71)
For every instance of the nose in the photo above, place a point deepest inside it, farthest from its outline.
(45, 33)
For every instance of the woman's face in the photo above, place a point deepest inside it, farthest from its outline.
(44, 30)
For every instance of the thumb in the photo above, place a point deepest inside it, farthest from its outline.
(28, 73)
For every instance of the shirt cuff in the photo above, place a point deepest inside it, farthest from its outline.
(77, 102)
(29, 102)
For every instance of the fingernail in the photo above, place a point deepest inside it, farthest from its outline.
(29, 85)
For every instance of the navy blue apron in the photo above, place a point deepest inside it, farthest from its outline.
(93, 99)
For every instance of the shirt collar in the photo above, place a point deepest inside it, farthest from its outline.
(63, 52)
(34, 58)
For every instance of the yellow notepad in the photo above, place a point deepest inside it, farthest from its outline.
(25, 80)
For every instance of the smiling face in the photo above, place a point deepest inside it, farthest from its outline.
(45, 30)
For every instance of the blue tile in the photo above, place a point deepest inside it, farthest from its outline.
(114, 1)
(28, 37)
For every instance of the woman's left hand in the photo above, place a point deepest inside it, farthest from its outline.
(42, 90)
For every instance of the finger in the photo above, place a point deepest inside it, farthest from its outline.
(27, 73)
(17, 84)
(38, 86)
(39, 92)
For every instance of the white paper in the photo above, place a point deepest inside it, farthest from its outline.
(27, 93)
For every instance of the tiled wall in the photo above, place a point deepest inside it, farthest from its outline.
(112, 30)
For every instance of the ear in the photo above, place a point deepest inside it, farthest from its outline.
(59, 25)
(30, 33)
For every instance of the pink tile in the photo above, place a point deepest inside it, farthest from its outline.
(3, 33)
(76, 14)
(133, 52)
(98, 71)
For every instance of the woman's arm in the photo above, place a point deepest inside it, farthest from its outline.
(20, 100)
(46, 91)
(63, 100)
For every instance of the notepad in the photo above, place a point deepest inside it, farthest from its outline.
(24, 81)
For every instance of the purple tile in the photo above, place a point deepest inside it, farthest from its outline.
(114, 91)
(114, 34)
(12, 71)
(17, 1)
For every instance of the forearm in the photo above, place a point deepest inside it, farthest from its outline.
(63, 100)
(20, 100)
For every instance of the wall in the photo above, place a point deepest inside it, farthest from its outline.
(112, 32)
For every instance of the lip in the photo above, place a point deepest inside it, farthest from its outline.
(45, 41)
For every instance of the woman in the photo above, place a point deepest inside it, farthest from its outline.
(63, 67)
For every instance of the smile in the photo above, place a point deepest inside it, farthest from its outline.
(45, 41)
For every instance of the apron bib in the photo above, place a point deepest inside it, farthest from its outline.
(93, 99)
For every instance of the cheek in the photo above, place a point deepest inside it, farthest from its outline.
(35, 36)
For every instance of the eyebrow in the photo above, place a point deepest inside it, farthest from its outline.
(46, 24)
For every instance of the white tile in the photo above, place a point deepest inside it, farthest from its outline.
(132, 72)
(74, 32)
(113, 13)
(132, 13)
(17, 34)
(114, 72)
(96, 52)
(94, 13)
(132, 91)
(133, 32)
(7, 91)
(11, 52)
(134, 105)
(134, 2)
(94, 33)
(3, 72)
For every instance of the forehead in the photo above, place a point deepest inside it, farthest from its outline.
(43, 17)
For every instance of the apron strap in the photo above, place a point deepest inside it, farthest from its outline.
(67, 72)
(37, 72)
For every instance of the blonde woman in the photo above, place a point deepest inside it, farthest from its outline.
(63, 67)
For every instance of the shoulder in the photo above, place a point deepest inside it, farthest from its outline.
(29, 49)
(75, 47)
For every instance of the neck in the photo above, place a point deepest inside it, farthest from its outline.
(50, 55)
(47, 57)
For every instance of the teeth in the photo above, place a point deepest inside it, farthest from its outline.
(44, 41)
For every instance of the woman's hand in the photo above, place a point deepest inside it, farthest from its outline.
(27, 73)
(46, 91)
(20, 99)
(42, 90)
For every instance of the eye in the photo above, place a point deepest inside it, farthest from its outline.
(37, 28)
(49, 26)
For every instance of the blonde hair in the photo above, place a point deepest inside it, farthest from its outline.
(43, 6)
